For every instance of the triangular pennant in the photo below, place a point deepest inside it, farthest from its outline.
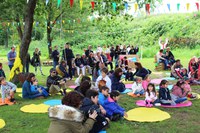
(178, 6)
(92, 3)
(81, 4)
(197, 4)
(188, 6)
(114, 6)
(58, 4)
(71, 3)
(47, 1)
(168, 5)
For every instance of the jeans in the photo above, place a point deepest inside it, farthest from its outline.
(180, 100)
(165, 63)
(55, 63)
(10, 66)
(139, 92)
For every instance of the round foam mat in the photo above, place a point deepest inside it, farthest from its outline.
(143, 114)
(35, 108)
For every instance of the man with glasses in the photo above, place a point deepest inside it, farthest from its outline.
(55, 83)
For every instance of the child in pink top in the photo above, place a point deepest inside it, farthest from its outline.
(145, 82)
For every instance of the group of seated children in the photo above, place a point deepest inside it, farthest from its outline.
(180, 92)
(192, 74)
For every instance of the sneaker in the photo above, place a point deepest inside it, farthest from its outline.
(12, 100)
(157, 104)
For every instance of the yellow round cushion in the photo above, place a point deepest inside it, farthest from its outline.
(2, 123)
(143, 114)
(35, 108)
(19, 90)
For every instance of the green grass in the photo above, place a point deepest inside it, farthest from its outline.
(182, 119)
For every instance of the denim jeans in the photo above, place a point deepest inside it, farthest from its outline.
(180, 100)
(139, 92)
(55, 63)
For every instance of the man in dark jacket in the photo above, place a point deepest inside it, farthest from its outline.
(55, 83)
(88, 51)
(55, 56)
(68, 56)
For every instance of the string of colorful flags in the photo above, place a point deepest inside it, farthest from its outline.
(147, 7)
(126, 5)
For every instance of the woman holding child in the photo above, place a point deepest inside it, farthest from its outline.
(26, 88)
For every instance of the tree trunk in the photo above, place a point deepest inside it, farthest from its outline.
(26, 39)
(6, 38)
(19, 29)
(49, 39)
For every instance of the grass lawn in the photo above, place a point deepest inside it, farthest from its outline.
(182, 119)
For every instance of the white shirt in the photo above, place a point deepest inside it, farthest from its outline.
(137, 87)
(163, 46)
(99, 49)
(107, 50)
(107, 79)
(152, 96)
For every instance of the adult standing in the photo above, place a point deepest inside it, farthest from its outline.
(36, 60)
(117, 53)
(11, 57)
(88, 51)
(112, 52)
(68, 56)
(28, 60)
(55, 56)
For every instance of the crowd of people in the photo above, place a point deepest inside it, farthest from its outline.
(94, 102)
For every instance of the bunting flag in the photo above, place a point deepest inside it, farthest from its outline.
(81, 4)
(58, 4)
(178, 6)
(92, 3)
(148, 8)
(188, 6)
(47, 1)
(136, 7)
(27, 1)
(197, 4)
(114, 6)
(168, 5)
(71, 3)
(126, 6)
(104, 5)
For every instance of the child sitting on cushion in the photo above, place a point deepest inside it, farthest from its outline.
(113, 110)
(137, 87)
(181, 91)
(103, 94)
(164, 94)
(7, 90)
(35, 87)
(146, 81)
(2, 74)
(129, 75)
(150, 96)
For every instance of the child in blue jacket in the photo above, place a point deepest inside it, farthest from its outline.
(103, 94)
(113, 110)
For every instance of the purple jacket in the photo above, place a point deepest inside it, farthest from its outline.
(112, 107)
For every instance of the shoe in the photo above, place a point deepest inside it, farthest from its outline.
(157, 104)
(12, 100)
